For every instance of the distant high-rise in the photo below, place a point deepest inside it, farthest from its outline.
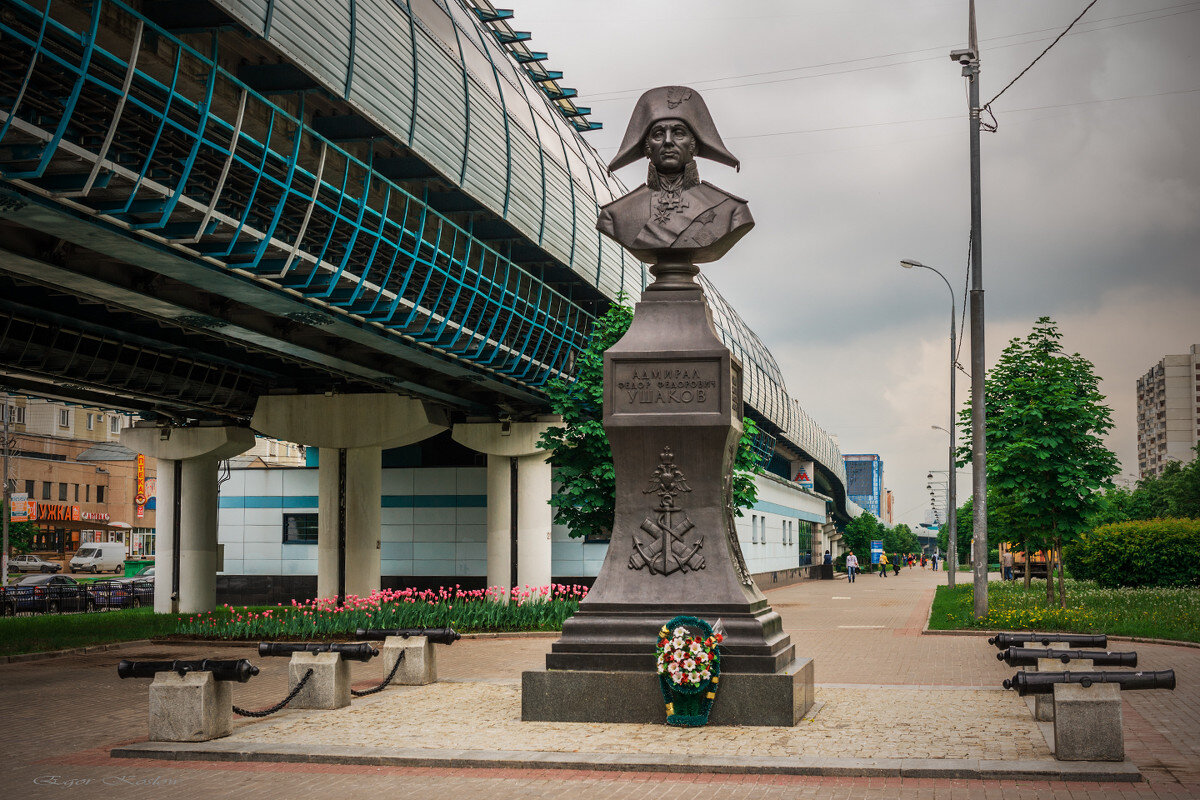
(1168, 404)
(864, 481)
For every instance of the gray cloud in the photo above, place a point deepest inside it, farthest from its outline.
(1091, 202)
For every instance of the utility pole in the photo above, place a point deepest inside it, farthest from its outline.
(969, 59)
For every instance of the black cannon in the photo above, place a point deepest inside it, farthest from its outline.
(1003, 640)
(357, 651)
(435, 635)
(1028, 657)
(1043, 682)
(239, 670)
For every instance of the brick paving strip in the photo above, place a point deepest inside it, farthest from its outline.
(881, 721)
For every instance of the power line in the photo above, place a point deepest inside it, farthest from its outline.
(1039, 58)
(619, 94)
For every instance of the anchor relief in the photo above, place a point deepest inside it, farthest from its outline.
(667, 551)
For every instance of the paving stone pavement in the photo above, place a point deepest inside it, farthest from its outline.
(62, 716)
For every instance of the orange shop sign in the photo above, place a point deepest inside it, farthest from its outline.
(57, 513)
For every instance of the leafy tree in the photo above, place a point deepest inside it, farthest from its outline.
(901, 539)
(585, 493)
(859, 534)
(1046, 460)
(20, 534)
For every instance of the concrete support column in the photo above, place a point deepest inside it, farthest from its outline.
(186, 518)
(510, 444)
(349, 483)
(351, 431)
(499, 521)
(534, 517)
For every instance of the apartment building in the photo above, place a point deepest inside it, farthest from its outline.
(1168, 407)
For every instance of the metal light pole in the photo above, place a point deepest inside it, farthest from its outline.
(952, 510)
(969, 59)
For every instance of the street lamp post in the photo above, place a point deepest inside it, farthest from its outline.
(952, 510)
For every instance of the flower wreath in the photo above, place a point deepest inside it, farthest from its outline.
(689, 669)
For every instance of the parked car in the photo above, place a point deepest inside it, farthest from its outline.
(46, 593)
(99, 557)
(31, 563)
(118, 593)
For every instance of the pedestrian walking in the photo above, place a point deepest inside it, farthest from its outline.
(851, 565)
(1007, 561)
(883, 565)
(934, 560)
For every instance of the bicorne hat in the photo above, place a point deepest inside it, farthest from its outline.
(672, 102)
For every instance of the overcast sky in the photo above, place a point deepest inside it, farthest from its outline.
(850, 122)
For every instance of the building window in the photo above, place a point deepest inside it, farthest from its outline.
(16, 415)
(299, 528)
(100, 494)
(91, 421)
(77, 493)
(114, 424)
(596, 538)
(87, 493)
(45, 490)
(64, 418)
(62, 492)
(30, 490)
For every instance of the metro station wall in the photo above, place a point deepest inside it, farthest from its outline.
(434, 531)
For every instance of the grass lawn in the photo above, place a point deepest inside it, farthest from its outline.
(1152, 613)
(64, 631)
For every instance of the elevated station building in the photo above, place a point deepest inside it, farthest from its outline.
(363, 226)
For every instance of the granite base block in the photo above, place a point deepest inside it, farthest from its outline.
(779, 699)
(192, 707)
(1087, 722)
(329, 685)
(420, 660)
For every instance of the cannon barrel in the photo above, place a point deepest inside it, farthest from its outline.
(435, 635)
(1028, 657)
(1003, 640)
(239, 670)
(1043, 682)
(356, 651)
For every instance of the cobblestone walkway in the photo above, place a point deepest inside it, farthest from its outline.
(966, 723)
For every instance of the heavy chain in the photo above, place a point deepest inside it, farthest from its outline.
(386, 680)
(291, 695)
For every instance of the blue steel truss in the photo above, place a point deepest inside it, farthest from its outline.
(162, 141)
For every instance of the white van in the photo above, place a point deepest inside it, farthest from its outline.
(99, 557)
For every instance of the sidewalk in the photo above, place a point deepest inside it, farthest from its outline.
(895, 688)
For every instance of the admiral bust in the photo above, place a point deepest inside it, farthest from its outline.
(674, 214)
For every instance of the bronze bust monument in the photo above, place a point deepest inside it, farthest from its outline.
(674, 215)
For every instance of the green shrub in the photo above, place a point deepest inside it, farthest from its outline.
(1157, 552)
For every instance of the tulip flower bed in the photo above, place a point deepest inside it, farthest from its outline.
(526, 608)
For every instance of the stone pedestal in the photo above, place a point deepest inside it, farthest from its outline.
(672, 411)
(781, 699)
(189, 708)
(1087, 722)
(420, 660)
(329, 686)
(1043, 704)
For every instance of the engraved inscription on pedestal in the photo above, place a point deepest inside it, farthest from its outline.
(668, 548)
(650, 387)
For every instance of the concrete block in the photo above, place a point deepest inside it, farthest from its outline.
(1043, 704)
(420, 660)
(329, 686)
(189, 708)
(1087, 722)
(780, 699)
